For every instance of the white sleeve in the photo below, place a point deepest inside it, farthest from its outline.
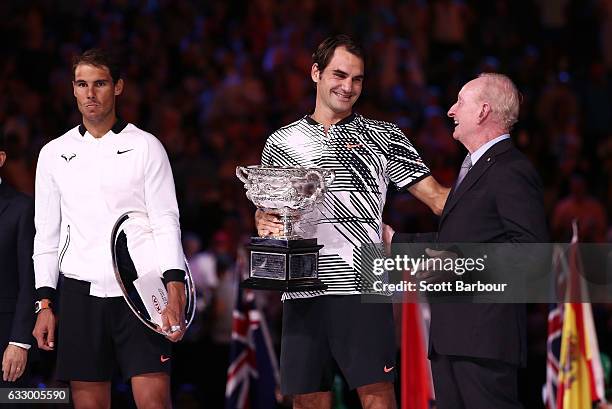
(47, 220)
(20, 345)
(162, 208)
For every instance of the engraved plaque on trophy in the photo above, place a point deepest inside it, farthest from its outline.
(287, 262)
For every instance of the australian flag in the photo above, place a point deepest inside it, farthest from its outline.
(252, 376)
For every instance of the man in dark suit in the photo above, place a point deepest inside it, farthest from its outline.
(16, 279)
(476, 349)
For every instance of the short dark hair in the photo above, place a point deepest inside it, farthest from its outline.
(98, 57)
(325, 51)
(2, 141)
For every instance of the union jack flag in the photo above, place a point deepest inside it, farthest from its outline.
(553, 354)
(252, 376)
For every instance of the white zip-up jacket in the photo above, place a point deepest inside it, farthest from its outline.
(83, 185)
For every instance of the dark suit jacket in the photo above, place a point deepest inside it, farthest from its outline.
(16, 267)
(499, 201)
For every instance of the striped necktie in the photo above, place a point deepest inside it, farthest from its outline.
(465, 167)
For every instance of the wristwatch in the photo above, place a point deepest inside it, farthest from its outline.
(41, 305)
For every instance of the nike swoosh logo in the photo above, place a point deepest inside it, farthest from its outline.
(387, 370)
(120, 152)
(354, 145)
(164, 358)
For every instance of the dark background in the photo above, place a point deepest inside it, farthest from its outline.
(213, 79)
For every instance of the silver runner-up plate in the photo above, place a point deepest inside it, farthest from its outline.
(138, 274)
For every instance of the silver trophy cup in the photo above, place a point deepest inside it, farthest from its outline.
(287, 262)
(136, 270)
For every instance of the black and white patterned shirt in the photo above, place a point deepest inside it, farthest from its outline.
(366, 155)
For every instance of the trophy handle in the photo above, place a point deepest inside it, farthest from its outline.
(331, 175)
(319, 191)
(242, 174)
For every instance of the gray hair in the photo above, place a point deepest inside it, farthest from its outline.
(503, 96)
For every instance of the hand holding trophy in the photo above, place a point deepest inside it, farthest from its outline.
(287, 262)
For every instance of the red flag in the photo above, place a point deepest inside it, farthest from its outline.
(416, 388)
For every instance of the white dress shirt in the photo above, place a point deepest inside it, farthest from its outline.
(481, 151)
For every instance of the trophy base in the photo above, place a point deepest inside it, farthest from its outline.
(308, 284)
(284, 265)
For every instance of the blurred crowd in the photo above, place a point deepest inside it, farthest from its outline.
(212, 79)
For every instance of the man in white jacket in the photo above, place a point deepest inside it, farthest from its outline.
(85, 180)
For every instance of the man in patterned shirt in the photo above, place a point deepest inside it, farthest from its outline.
(333, 329)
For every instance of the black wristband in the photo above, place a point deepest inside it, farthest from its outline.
(174, 275)
(46, 292)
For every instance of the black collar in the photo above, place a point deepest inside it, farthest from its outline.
(344, 121)
(119, 126)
